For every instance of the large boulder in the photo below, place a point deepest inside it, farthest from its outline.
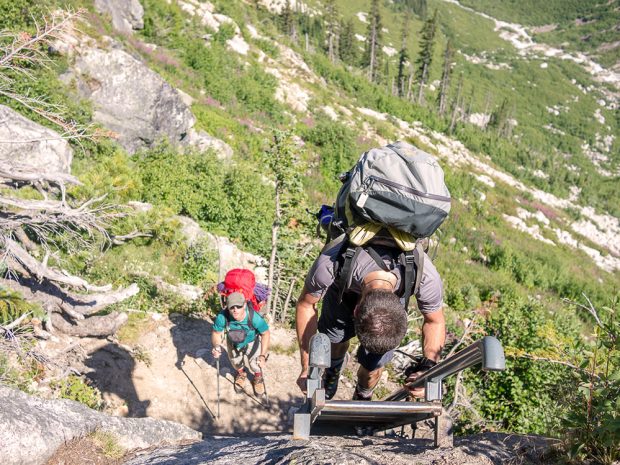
(130, 99)
(29, 145)
(127, 15)
(31, 428)
(483, 449)
(136, 103)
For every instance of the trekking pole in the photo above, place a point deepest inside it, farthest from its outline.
(265, 385)
(217, 364)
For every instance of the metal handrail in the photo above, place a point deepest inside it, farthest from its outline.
(487, 351)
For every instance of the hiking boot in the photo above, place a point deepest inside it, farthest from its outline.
(358, 396)
(240, 378)
(258, 384)
(331, 377)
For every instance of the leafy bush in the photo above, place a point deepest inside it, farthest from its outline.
(524, 398)
(13, 305)
(217, 196)
(200, 265)
(338, 149)
(75, 388)
(594, 420)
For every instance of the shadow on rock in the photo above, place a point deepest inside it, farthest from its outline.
(112, 369)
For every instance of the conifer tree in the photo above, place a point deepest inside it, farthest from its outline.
(445, 79)
(420, 8)
(372, 55)
(403, 57)
(426, 55)
(347, 47)
(456, 105)
(286, 18)
(499, 119)
(331, 14)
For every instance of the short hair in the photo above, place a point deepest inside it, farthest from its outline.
(381, 321)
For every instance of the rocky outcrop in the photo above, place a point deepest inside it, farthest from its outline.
(487, 449)
(31, 428)
(230, 256)
(136, 103)
(31, 146)
(127, 15)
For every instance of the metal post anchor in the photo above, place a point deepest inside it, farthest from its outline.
(319, 359)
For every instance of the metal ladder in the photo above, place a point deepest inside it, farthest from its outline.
(341, 416)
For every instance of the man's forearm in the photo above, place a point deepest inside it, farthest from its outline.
(434, 335)
(306, 325)
(264, 343)
(216, 339)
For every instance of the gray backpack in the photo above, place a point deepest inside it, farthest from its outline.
(394, 195)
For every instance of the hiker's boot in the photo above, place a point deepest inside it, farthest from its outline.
(258, 383)
(331, 377)
(364, 394)
(240, 378)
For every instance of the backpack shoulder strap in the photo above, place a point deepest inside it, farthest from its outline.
(413, 261)
(250, 315)
(345, 274)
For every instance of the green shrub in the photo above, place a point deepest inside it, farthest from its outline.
(200, 265)
(219, 197)
(13, 305)
(75, 388)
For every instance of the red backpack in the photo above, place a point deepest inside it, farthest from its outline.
(243, 280)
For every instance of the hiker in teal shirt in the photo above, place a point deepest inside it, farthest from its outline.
(247, 340)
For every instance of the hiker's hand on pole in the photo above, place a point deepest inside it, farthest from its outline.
(417, 393)
(216, 352)
(302, 381)
(262, 361)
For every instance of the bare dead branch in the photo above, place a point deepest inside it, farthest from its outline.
(95, 326)
(25, 174)
(119, 240)
(538, 358)
(93, 303)
(468, 329)
(24, 46)
(36, 269)
(15, 323)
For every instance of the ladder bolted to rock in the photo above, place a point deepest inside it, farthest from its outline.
(336, 416)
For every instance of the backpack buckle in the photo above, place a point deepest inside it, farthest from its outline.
(349, 253)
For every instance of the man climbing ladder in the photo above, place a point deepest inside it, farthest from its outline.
(247, 340)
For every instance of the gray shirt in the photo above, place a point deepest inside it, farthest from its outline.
(322, 275)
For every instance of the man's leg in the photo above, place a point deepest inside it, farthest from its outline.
(236, 360)
(336, 321)
(369, 372)
(253, 351)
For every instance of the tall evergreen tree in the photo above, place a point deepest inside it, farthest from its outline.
(286, 18)
(442, 99)
(403, 57)
(501, 119)
(372, 54)
(457, 105)
(331, 15)
(426, 55)
(420, 8)
(347, 49)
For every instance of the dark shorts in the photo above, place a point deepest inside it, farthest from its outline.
(336, 321)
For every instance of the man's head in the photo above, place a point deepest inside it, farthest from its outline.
(380, 321)
(235, 303)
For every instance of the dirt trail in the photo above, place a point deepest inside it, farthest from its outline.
(169, 373)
